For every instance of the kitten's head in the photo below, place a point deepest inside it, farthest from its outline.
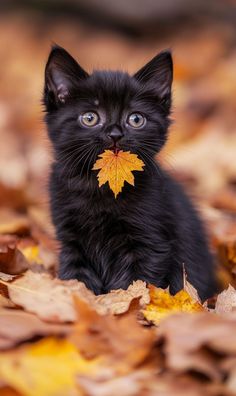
(88, 113)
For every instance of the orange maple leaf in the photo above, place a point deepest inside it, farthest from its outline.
(116, 168)
(163, 304)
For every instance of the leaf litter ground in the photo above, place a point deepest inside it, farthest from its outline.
(57, 338)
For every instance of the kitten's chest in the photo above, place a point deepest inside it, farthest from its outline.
(99, 219)
(103, 226)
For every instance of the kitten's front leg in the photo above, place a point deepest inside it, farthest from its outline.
(73, 265)
(140, 264)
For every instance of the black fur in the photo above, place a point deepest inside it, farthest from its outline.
(151, 230)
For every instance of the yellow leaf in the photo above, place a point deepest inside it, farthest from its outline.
(31, 253)
(116, 168)
(48, 367)
(163, 304)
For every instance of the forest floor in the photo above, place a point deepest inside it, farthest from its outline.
(57, 338)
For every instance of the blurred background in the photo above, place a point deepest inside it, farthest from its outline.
(123, 35)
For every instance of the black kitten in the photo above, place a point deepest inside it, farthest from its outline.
(151, 230)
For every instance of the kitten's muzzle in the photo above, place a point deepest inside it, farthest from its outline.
(115, 135)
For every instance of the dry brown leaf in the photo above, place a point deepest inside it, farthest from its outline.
(52, 299)
(163, 304)
(12, 261)
(226, 301)
(187, 336)
(118, 301)
(219, 163)
(116, 168)
(190, 289)
(18, 326)
(111, 336)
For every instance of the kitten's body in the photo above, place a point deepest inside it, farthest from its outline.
(150, 231)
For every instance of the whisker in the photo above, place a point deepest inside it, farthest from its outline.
(66, 158)
(92, 160)
(149, 159)
(76, 162)
(86, 156)
(77, 145)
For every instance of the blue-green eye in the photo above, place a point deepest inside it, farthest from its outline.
(89, 119)
(136, 120)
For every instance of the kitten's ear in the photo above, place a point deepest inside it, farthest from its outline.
(158, 73)
(62, 73)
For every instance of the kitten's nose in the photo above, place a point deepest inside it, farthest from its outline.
(116, 134)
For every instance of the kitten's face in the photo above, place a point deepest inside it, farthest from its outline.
(87, 114)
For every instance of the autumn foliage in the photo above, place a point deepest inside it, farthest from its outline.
(56, 337)
(116, 168)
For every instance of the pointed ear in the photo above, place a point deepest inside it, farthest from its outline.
(158, 73)
(62, 73)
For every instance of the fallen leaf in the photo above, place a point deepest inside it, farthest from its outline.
(47, 367)
(219, 162)
(111, 336)
(190, 289)
(163, 304)
(194, 342)
(226, 301)
(52, 299)
(40, 259)
(31, 253)
(39, 256)
(19, 326)
(12, 261)
(116, 168)
(118, 301)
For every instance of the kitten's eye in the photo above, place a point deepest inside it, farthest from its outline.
(89, 119)
(136, 120)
